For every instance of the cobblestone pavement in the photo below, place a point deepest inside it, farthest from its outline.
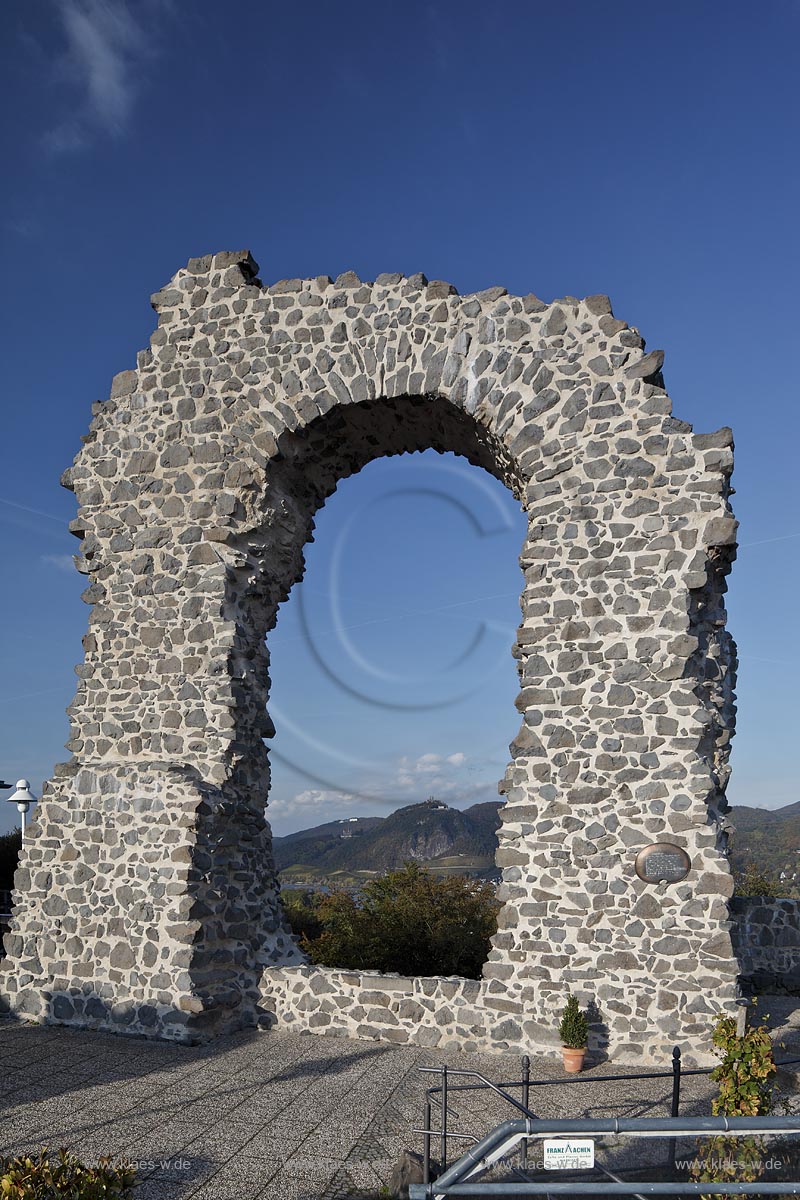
(258, 1116)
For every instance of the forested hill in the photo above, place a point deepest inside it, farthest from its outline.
(449, 840)
(768, 837)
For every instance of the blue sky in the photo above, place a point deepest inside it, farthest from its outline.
(644, 150)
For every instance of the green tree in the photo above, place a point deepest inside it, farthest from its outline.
(302, 912)
(10, 846)
(408, 921)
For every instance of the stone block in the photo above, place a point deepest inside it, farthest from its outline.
(123, 384)
(720, 531)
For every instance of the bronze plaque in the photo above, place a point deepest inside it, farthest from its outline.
(662, 862)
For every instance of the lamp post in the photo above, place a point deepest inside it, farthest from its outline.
(23, 797)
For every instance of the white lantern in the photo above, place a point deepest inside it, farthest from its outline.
(23, 797)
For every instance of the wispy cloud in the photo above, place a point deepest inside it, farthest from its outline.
(18, 697)
(62, 562)
(455, 778)
(37, 512)
(22, 227)
(65, 138)
(311, 803)
(431, 764)
(105, 48)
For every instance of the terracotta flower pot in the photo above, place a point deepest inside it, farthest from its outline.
(573, 1059)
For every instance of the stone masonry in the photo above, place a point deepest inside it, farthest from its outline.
(146, 899)
(766, 940)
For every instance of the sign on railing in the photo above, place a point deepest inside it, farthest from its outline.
(533, 1149)
(576, 1154)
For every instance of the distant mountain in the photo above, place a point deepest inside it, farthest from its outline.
(448, 840)
(331, 831)
(443, 838)
(768, 837)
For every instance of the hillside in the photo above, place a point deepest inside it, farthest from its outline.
(310, 845)
(443, 838)
(449, 840)
(768, 837)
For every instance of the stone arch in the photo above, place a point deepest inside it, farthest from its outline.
(147, 899)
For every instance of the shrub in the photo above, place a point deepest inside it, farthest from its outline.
(754, 881)
(574, 1027)
(410, 922)
(38, 1177)
(745, 1090)
(743, 1075)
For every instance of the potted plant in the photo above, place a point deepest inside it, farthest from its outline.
(574, 1032)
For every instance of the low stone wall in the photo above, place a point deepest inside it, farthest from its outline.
(392, 1008)
(766, 940)
(471, 1014)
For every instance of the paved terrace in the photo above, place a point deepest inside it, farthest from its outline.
(258, 1116)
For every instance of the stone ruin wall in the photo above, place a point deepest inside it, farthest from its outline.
(146, 899)
(766, 941)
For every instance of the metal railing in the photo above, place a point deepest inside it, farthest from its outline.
(443, 1091)
(491, 1149)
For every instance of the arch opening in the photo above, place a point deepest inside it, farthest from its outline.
(392, 687)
